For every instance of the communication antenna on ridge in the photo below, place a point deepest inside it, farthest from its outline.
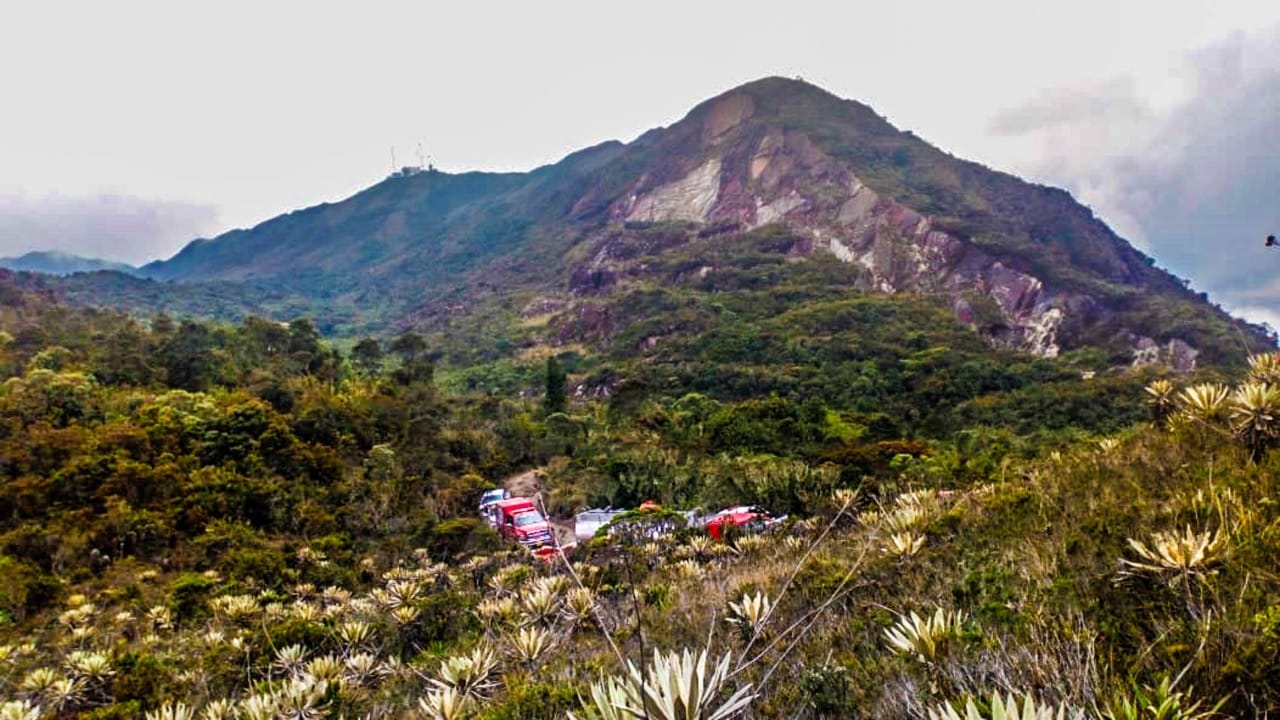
(393, 159)
(422, 158)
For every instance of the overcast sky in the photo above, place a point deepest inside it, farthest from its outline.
(128, 128)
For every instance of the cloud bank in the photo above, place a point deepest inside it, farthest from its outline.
(108, 226)
(1194, 182)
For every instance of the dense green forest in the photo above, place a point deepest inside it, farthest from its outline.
(204, 520)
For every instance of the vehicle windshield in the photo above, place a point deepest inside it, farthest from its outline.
(529, 518)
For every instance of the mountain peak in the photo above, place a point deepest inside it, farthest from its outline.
(769, 99)
(776, 89)
(1026, 265)
(781, 105)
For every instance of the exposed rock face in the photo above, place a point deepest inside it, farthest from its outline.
(690, 198)
(592, 323)
(1175, 354)
(727, 113)
(589, 281)
(786, 179)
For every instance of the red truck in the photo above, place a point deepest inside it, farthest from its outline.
(745, 518)
(520, 521)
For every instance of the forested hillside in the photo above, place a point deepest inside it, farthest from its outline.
(244, 521)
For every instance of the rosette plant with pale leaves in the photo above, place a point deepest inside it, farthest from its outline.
(1189, 554)
(1163, 401)
(471, 675)
(1264, 368)
(1255, 416)
(1007, 708)
(1206, 403)
(750, 613)
(675, 686)
(926, 637)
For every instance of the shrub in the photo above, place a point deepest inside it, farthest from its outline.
(140, 680)
(189, 597)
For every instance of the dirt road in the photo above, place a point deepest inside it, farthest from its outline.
(525, 484)
(529, 484)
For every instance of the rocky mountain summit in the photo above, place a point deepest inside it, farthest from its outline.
(739, 162)
(778, 166)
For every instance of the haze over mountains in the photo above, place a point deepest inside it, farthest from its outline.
(776, 169)
(53, 262)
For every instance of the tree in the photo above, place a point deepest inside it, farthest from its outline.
(409, 347)
(188, 357)
(564, 433)
(555, 400)
(162, 324)
(415, 367)
(7, 366)
(122, 358)
(305, 349)
(368, 356)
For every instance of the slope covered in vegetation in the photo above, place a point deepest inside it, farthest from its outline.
(204, 520)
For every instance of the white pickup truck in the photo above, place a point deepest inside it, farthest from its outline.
(488, 504)
(588, 522)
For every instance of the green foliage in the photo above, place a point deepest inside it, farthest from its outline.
(827, 690)
(554, 401)
(125, 710)
(140, 679)
(216, 494)
(16, 580)
(368, 355)
(534, 701)
(189, 597)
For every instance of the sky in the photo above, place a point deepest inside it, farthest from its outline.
(129, 128)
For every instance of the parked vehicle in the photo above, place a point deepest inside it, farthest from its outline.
(519, 520)
(549, 554)
(649, 521)
(588, 522)
(487, 502)
(743, 518)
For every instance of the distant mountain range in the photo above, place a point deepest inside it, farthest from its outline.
(53, 262)
(776, 185)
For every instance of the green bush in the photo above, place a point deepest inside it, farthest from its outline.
(189, 597)
(535, 701)
(140, 680)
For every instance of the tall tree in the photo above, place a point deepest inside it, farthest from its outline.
(555, 399)
(305, 349)
(415, 367)
(188, 356)
(368, 356)
(409, 347)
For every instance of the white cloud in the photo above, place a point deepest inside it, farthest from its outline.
(1256, 314)
(1193, 181)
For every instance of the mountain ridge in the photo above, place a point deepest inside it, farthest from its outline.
(909, 216)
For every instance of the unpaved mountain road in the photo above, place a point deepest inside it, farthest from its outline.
(529, 484)
(525, 484)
